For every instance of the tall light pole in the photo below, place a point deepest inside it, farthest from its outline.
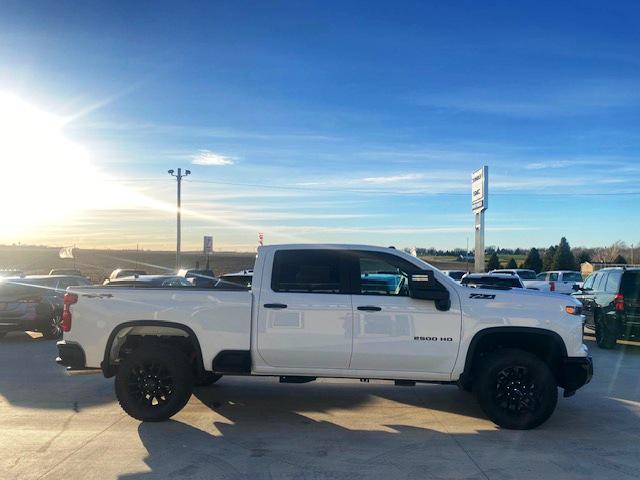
(178, 176)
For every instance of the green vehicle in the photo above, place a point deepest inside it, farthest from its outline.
(611, 304)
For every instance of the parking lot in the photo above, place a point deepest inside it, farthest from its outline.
(58, 426)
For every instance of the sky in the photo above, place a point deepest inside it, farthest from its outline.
(337, 122)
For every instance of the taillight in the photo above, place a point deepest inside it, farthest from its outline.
(69, 299)
(552, 286)
(618, 302)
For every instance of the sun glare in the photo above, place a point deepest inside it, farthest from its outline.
(48, 178)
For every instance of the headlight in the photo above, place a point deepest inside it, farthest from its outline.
(573, 310)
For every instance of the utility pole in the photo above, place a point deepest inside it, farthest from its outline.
(178, 176)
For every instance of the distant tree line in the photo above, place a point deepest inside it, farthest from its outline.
(554, 257)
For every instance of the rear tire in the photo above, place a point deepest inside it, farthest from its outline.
(606, 336)
(154, 382)
(52, 328)
(516, 389)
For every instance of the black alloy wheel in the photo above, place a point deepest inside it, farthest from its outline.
(154, 382)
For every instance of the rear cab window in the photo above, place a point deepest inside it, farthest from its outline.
(309, 271)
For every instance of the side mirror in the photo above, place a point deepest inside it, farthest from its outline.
(423, 286)
(576, 287)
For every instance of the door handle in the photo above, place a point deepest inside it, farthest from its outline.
(369, 308)
(276, 306)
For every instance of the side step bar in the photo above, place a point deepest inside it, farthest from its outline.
(295, 379)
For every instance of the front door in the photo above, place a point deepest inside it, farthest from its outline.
(305, 317)
(394, 332)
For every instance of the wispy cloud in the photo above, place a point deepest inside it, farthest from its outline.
(392, 179)
(532, 101)
(207, 157)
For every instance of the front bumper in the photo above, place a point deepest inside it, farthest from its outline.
(71, 355)
(575, 372)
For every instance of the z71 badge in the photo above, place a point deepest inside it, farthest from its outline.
(482, 296)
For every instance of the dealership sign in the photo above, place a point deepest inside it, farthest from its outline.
(480, 189)
(207, 246)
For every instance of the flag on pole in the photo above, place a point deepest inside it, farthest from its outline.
(66, 252)
(260, 238)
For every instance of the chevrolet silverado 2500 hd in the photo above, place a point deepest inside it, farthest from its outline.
(332, 311)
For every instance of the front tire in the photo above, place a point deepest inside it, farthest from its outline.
(154, 383)
(516, 389)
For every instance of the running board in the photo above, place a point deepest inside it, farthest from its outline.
(294, 379)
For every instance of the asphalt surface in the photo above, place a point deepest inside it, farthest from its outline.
(57, 426)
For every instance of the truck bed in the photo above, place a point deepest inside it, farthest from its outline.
(220, 319)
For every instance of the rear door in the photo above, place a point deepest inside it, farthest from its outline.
(305, 317)
(392, 331)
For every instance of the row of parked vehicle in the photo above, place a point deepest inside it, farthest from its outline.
(35, 302)
(610, 297)
(559, 281)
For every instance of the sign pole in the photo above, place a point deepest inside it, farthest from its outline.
(479, 252)
(479, 203)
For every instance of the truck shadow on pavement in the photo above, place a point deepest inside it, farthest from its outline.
(30, 377)
(245, 430)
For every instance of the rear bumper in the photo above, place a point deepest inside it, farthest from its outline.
(71, 355)
(575, 372)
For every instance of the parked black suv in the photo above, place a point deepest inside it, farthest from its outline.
(35, 303)
(611, 300)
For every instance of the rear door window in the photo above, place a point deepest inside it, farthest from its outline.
(309, 271)
(613, 282)
(600, 281)
(588, 283)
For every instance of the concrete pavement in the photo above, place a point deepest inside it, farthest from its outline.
(54, 426)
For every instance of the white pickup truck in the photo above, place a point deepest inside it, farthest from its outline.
(332, 311)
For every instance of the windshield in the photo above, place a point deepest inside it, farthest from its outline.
(456, 275)
(571, 277)
(526, 274)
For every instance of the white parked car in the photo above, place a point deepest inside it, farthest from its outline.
(561, 281)
(347, 311)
